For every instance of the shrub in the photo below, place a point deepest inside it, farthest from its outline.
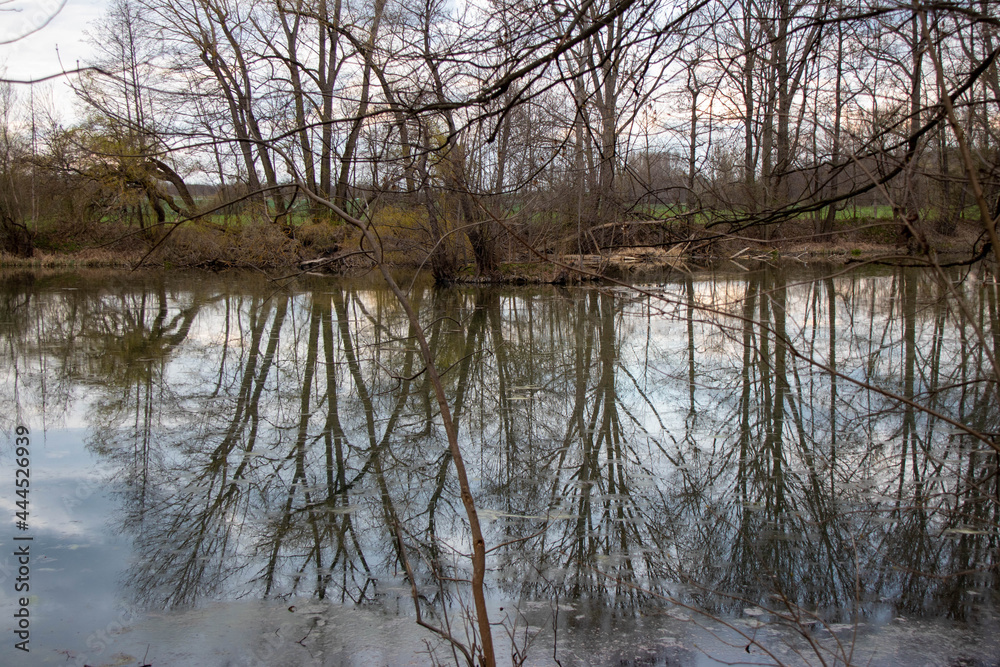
(325, 238)
(256, 243)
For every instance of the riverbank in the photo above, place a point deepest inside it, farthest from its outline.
(253, 251)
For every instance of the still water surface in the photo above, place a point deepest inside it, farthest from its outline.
(696, 471)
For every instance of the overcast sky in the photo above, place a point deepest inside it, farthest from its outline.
(36, 55)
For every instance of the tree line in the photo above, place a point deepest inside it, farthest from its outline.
(473, 131)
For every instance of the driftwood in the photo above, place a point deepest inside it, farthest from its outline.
(674, 257)
(342, 261)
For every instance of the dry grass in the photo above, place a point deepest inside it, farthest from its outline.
(86, 258)
(322, 239)
(796, 240)
(407, 240)
(254, 244)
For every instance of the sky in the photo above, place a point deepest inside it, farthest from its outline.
(55, 47)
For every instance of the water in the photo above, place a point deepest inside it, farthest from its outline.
(772, 467)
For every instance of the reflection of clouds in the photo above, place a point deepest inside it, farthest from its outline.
(68, 491)
(70, 505)
(75, 563)
(277, 465)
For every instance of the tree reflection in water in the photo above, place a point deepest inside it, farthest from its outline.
(626, 446)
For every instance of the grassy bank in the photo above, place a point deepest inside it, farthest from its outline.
(329, 247)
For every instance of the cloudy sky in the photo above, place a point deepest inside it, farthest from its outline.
(62, 40)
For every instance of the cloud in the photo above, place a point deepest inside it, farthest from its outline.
(41, 44)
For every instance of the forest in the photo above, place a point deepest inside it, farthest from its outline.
(469, 136)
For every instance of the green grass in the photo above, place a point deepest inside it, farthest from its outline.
(855, 213)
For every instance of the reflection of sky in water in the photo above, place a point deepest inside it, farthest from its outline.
(76, 520)
(76, 557)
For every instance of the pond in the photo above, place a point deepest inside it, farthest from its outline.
(793, 467)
